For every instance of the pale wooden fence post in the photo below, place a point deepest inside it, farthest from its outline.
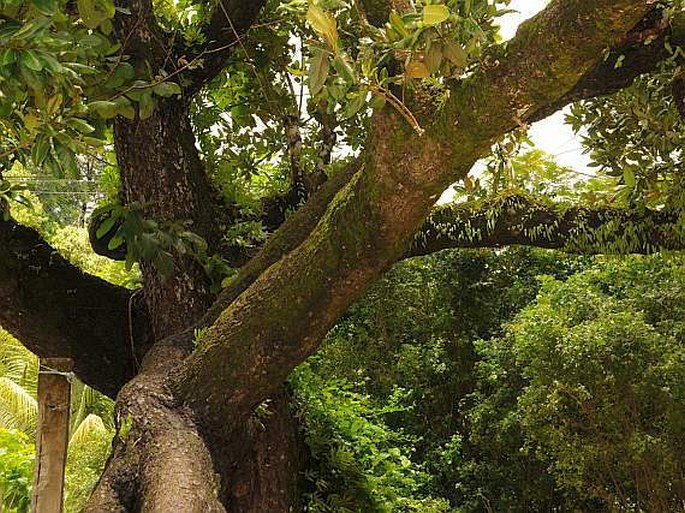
(54, 397)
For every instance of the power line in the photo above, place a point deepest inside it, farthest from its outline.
(48, 180)
(90, 193)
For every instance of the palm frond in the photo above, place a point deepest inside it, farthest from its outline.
(91, 427)
(18, 409)
(18, 363)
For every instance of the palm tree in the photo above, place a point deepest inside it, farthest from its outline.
(18, 386)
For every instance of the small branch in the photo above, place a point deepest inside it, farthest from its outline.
(229, 22)
(328, 138)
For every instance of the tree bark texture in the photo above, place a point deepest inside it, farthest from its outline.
(56, 310)
(161, 171)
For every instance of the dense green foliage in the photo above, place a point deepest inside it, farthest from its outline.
(464, 381)
(519, 381)
(587, 385)
(16, 470)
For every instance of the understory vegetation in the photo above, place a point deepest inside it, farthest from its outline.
(520, 380)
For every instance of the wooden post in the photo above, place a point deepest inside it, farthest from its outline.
(54, 396)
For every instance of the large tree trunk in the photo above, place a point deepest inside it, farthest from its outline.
(188, 439)
(161, 172)
(267, 478)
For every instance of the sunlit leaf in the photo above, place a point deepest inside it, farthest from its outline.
(324, 24)
(435, 14)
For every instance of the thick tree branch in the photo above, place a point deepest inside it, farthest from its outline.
(519, 219)
(282, 317)
(290, 235)
(56, 310)
(639, 52)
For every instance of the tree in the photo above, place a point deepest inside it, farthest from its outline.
(189, 366)
(582, 385)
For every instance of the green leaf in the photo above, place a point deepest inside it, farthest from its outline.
(378, 102)
(50, 63)
(146, 105)
(629, 177)
(115, 242)
(66, 159)
(89, 13)
(166, 89)
(433, 58)
(125, 108)
(47, 7)
(32, 28)
(397, 24)
(8, 57)
(456, 54)
(121, 75)
(95, 12)
(106, 26)
(29, 59)
(344, 69)
(80, 125)
(108, 223)
(435, 14)
(318, 71)
(164, 263)
(355, 104)
(104, 108)
(40, 149)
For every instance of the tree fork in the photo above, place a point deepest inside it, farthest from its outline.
(171, 463)
(281, 318)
